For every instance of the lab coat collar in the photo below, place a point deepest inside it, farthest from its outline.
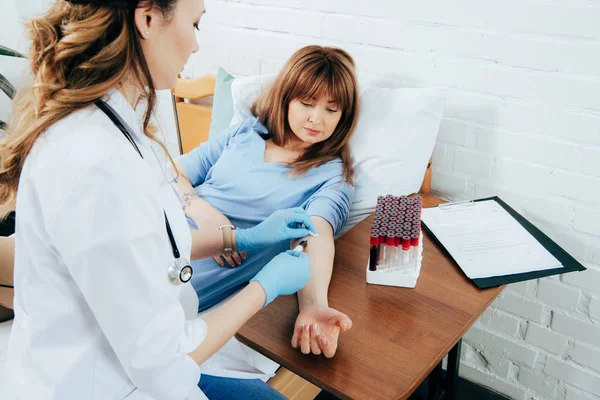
(119, 103)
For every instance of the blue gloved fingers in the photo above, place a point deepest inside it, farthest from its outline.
(297, 233)
(285, 274)
(282, 225)
(296, 253)
(297, 218)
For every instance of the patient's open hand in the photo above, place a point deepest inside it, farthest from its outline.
(317, 329)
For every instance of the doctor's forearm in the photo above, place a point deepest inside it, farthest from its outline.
(321, 252)
(225, 321)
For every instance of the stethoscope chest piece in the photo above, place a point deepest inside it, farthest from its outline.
(180, 271)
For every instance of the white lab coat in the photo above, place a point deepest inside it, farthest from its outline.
(96, 316)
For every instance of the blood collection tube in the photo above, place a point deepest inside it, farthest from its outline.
(390, 248)
(405, 249)
(373, 261)
(414, 241)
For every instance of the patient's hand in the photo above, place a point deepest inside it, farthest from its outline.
(317, 329)
(233, 261)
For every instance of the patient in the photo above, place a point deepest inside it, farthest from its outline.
(294, 152)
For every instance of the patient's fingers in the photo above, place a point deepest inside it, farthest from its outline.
(219, 261)
(305, 340)
(296, 336)
(236, 257)
(314, 344)
(229, 261)
(244, 255)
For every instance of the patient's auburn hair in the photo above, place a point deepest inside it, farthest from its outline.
(313, 72)
(78, 53)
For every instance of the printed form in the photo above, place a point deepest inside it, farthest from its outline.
(486, 241)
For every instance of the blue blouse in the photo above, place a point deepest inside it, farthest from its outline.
(230, 173)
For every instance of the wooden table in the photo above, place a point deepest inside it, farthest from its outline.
(399, 335)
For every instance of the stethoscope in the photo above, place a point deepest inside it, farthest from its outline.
(180, 271)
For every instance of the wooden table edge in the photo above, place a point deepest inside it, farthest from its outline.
(282, 362)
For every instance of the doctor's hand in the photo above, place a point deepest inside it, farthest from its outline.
(280, 226)
(317, 329)
(285, 274)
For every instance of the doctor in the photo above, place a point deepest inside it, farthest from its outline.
(103, 308)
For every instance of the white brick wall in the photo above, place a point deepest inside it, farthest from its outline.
(522, 121)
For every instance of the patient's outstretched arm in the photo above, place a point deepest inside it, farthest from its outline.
(318, 326)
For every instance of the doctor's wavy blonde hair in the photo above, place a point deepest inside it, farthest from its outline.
(313, 72)
(78, 53)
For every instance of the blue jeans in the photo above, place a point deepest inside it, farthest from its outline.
(217, 388)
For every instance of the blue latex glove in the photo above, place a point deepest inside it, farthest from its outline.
(279, 226)
(285, 274)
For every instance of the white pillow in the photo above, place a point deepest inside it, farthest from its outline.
(391, 146)
(244, 91)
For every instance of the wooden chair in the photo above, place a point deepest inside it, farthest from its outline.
(194, 125)
(192, 120)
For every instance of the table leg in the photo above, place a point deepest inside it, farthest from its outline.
(435, 392)
(443, 386)
(452, 371)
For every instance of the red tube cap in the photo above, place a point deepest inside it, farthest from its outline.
(390, 239)
(374, 239)
(414, 239)
(406, 242)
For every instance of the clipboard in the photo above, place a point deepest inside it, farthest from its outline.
(568, 263)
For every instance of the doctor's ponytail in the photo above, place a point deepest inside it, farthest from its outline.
(80, 50)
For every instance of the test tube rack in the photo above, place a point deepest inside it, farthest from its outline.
(396, 242)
